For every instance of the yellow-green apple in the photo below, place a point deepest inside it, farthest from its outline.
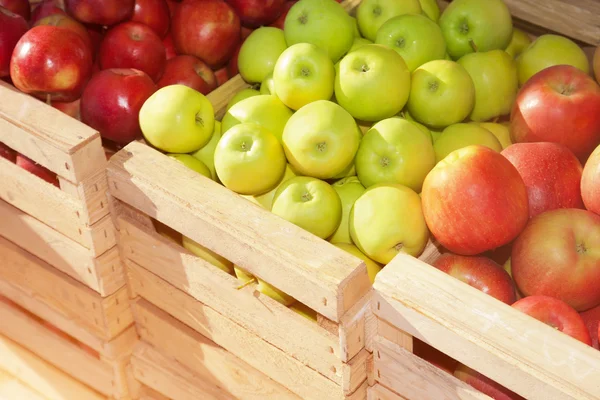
(372, 83)
(470, 25)
(323, 23)
(255, 13)
(484, 384)
(154, 13)
(549, 50)
(321, 139)
(349, 189)
(558, 104)
(241, 95)
(112, 100)
(268, 86)
(167, 232)
(265, 110)
(556, 314)
(52, 63)
(442, 93)
(591, 318)
(590, 182)
(301, 308)
(207, 153)
(415, 37)
(189, 71)
(358, 43)
(386, 220)
(462, 135)
(266, 200)
(192, 163)
(479, 272)
(500, 130)
(518, 43)
(556, 256)
(245, 277)
(310, 203)
(372, 14)
(395, 150)
(357, 34)
(431, 9)
(303, 74)
(474, 200)
(100, 12)
(596, 64)
(545, 167)
(12, 27)
(249, 159)
(434, 134)
(260, 52)
(494, 75)
(373, 267)
(36, 169)
(208, 255)
(177, 119)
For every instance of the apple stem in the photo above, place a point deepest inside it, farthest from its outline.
(49, 99)
(473, 45)
(253, 280)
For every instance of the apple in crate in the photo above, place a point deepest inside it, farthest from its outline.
(72, 109)
(12, 28)
(372, 14)
(192, 163)
(169, 46)
(64, 21)
(518, 43)
(269, 290)
(500, 130)
(596, 64)
(232, 65)
(222, 75)
(556, 256)
(51, 63)
(20, 7)
(461, 135)
(258, 54)
(100, 12)
(45, 8)
(154, 13)
(484, 384)
(349, 189)
(7, 153)
(590, 182)
(280, 21)
(255, 13)
(373, 268)
(112, 101)
(189, 71)
(36, 169)
(559, 104)
(591, 318)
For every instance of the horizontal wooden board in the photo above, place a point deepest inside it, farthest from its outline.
(13, 389)
(92, 192)
(150, 394)
(380, 392)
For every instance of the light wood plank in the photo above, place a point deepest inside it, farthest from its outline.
(355, 372)
(221, 96)
(325, 278)
(360, 393)
(150, 394)
(92, 193)
(353, 329)
(379, 392)
(13, 389)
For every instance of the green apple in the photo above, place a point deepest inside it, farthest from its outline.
(207, 255)
(462, 135)
(548, 50)
(494, 74)
(386, 220)
(428, 132)
(519, 41)
(303, 74)
(259, 53)
(310, 203)
(372, 83)
(266, 200)
(358, 43)
(500, 130)
(508, 267)
(415, 37)
(192, 163)
(349, 189)
(207, 153)
(442, 93)
(372, 14)
(177, 119)
(249, 159)
(304, 310)
(475, 25)
(395, 150)
(244, 277)
(324, 23)
(356, 30)
(373, 268)
(320, 139)
(265, 110)
(431, 9)
(241, 95)
(268, 85)
(349, 171)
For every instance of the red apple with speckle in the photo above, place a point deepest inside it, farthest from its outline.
(133, 45)
(20, 7)
(12, 28)
(484, 384)
(169, 47)
(64, 21)
(8, 153)
(154, 13)
(255, 13)
(189, 71)
(100, 12)
(37, 169)
(45, 8)
(591, 318)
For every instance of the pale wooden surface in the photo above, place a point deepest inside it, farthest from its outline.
(150, 394)
(380, 392)
(92, 193)
(353, 329)
(325, 278)
(355, 372)
(13, 389)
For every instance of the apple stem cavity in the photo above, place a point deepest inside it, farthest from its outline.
(398, 247)
(581, 249)
(365, 68)
(305, 71)
(377, 10)
(303, 18)
(306, 196)
(473, 45)
(243, 285)
(199, 119)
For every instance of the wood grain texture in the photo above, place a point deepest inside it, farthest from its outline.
(380, 392)
(13, 389)
(92, 193)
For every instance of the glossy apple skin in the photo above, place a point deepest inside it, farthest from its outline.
(36, 169)
(222, 76)
(20, 7)
(551, 172)
(279, 22)
(484, 384)
(51, 61)
(481, 273)
(591, 318)
(133, 45)
(169, 46)
(112, 101)
(100, 12)
(474, 201)
(64, 21)
(558, 104)
(45, 8)
(255, 13)
(154, 13)
(207, 29)
(72, 109)
(555, 313)
(8, 153)
(189, 71)
(12, 28)
(556, 255)
(590, 182)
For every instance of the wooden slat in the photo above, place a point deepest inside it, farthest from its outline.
(380, 392)
(519, 352)
(325, 278)
(221, 96)
(355, 372)
(150, 394)
(352, 329)
(13, 389)
(92, 193)
(176, 340)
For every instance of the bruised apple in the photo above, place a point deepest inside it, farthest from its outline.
(189, 71)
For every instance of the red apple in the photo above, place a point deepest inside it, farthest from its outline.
(279, 22)
(551, 172)
(64, 21)
(45, 8)
(232, 65)
(96, 34)
(154, 13)
(590, 182)
(169, 47)
(207, 29)
(596, 64)
(8, 153)
(72, 109)
(191, 72)
(245, 32)
(112, 100)
(479, 272)
(555, 313)
(474, 201)
(222, 76)
(133, 45)
(173, 4)
(255, 13)
(591, 318)
(558, 104)
(51, 63)
(12, 28)
(100, 12)
(36, 169)
(556, 255)
(433, 356)
(484, 384)
(20, 7)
